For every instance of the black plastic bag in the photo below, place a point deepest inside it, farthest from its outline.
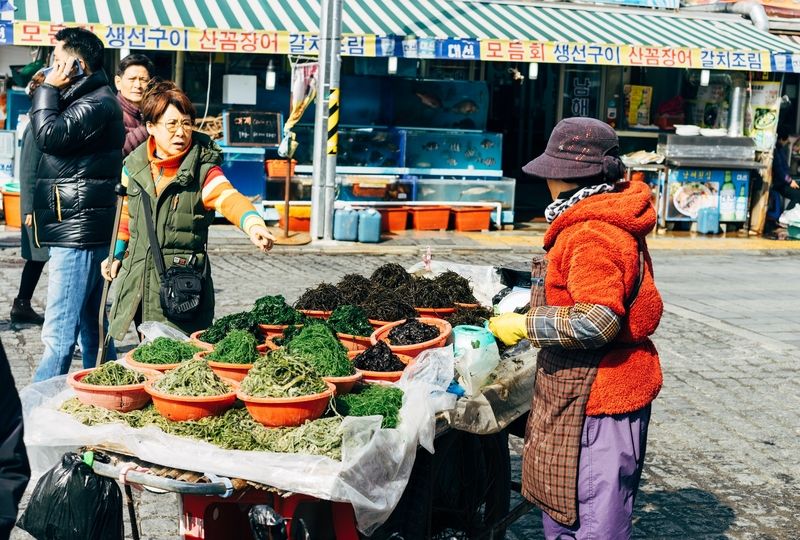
(267, 524)
(71, 502)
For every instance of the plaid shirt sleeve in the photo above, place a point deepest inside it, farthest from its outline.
(582, 326)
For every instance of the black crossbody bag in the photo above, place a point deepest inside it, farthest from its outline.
(181, 286)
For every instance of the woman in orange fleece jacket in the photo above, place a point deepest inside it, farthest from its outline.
(597, 369)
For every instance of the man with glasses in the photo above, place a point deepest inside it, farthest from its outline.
(77, 124)
(133, 75)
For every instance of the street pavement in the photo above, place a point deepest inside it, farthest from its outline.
(723, 445)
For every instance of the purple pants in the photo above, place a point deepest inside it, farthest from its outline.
(610, 466)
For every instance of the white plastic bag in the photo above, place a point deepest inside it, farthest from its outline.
(152, 330)
(485, 280)
(476, 356)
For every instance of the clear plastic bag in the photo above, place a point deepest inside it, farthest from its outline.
(476, 356)
(485, 280)
(153, 329)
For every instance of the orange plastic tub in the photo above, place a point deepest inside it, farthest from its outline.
(275, 330)
(430, 218)
(472, 218)
(141, 366)
(345, 384)
(235, 372)
(436, 313)
(184, 408)
(382, 376)
(196, 338)
(277, 168)
(315, 314)
(287, 412)
(466, 306)
(297, 224)
(124, 398)
(11, 207)
(354, 343)
(377, 324)
(445, 330)
(394, 219)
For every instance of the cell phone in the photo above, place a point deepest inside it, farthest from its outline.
(76, 71)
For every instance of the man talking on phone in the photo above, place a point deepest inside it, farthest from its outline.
(77, 124)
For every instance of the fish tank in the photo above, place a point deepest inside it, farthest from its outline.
(358, 147)
(455, 191)
(441, 104)
(437, 149)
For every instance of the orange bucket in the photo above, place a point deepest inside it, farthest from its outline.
(184, 408)
(472, 218)
(277, 168)
(289, 411)
(12, 209)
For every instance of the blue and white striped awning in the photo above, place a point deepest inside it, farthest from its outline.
(495, 29)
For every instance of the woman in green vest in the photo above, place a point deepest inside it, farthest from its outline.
(176, 171)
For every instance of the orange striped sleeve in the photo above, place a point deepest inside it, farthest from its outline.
(220, 195)
(123, 231)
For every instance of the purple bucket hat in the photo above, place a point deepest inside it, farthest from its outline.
(578, 148)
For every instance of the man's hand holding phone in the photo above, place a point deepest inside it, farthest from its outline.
(63, 74)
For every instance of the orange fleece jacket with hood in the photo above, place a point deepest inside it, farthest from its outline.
(593, 258)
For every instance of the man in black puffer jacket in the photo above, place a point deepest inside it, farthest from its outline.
(77, 124)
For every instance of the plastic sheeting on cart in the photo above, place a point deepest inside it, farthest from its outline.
(501, 401)
(375, 467)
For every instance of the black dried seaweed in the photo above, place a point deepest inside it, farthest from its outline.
(378, 358)
(391, 276)
(385, 305)
(355, 289)
(469, 317)
(412, 332)
(457, 287)
(323, 297)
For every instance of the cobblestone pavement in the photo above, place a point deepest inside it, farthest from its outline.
(722, 452)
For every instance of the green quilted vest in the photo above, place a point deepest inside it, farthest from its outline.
(181, 224)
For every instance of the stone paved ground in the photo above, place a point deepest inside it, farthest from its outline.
(722, 452)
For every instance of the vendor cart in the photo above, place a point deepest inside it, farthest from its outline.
(462, 490)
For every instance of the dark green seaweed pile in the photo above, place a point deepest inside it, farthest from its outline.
(193, 378)
(430, 294)
(386, 305)
(350, 320)
(238, 347)
(317, 344)
(469, 317)
(235, 321)
(412, 332)
(275, 310)
(355, 289)
(457, 287)
(164, 350)
(378, 358)
(391, 276)
(323, 297)
(373, 400)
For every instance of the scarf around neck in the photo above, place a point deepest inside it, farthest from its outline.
(559, 206)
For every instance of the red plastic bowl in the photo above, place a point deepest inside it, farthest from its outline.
(275, 330)
(287, 412)
(436, 313)
(354, 343)
(124, 398)
(344, 385)
(382, 376)
(184, 408)
(445, 330)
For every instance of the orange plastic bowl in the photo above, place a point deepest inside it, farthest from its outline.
(184, 408)
(235, 372)
(344, 385)
(287, 412)
(124, 398)
(141, 366)
(382, 376)
(315, 314)
(466, 306)
(378, 324)
(445, 330)
(354, 343)
(196, 339)
(275, 330)
(436, 313)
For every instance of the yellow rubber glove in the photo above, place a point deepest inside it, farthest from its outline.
(509, 327)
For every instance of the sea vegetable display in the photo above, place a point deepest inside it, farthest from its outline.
(373, 400)
(471, 317)
(412, 332)
(113, 374)
(429, 293)
(235, 321)
(351, 320)
(457, 287)
(234, 430)
(391, 276)
(280, 375)
(323, 297)
(386, 305)
(192, 378)
(164, 350)
(319, 346)
(378, 358)
(355, 289)
(238, 347)
(275, 310)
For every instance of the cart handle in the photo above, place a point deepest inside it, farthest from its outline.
(222, 487)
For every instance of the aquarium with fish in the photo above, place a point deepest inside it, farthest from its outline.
(455, 191)
(441, 104)
(358, 147)
(448, 149)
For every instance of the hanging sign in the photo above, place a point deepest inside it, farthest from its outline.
(252, 128)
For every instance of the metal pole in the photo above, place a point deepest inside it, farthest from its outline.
(333, 115)
(320, 126)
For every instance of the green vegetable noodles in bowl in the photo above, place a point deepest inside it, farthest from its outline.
(281, 375)
(238, 347)
(193, 378)
(113, 374)
(163, 350)
(321, 348)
